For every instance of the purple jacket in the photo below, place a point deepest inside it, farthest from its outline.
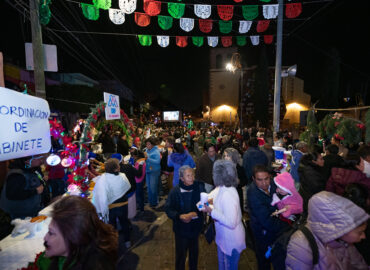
(329, 217)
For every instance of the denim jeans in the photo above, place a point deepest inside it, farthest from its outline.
(140, 195)
(226, 262)
(152, 179)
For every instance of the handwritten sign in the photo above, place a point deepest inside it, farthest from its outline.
(24, 125)
(112, 109)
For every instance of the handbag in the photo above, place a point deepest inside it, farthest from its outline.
(209, 230)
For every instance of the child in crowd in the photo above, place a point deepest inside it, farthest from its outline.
(287, 199)
(139, 161)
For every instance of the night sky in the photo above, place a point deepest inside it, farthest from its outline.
(180, 75)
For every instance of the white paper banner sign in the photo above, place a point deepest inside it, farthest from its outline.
(212, 41)
(255, 40)
(244, 26)
(112, 109)
(163, 41)
(203, 11)
(117, 16)
(187, 24)
(270, 11)
(127, 6)
(24, 122)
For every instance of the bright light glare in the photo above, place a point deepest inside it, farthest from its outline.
(230, 67)
(224, 108)
(295, 106)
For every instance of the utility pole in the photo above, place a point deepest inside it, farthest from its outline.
(38, 51)
(277, 89)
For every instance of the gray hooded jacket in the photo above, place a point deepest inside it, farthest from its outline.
(329, 217)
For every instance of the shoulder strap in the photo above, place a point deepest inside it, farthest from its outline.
(311, 239)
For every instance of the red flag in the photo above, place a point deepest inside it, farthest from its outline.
(205, 25)
(268, 39)
(225, 12)
(142, 19)
(152, 8)
(238, 1)
(262, 25)
(182, 41)
(293, 10)
(226, 41)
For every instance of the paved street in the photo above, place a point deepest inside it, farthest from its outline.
(153, 246)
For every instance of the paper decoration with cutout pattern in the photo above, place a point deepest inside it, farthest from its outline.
(117, 16)
(127, 6)
(225, 12)
(241, 40)
(255, 40)
(102, 4)
(163, 41)
(225, 26)
(293, 10)
(187, 24)
(165, 22)
(212, 41)
(205, 26)
(182, 41)
(270, 11)
(142, 19)
(203, 11)
(90, 12)
(268, 39)
(145, 40)
(244, 26)
(152, 8)
(250, 12)
(226, 41)
(176, 10)
(262, 25)
(198, 41)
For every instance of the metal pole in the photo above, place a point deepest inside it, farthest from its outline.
(240, 101)
(277, 89)
(38, 52)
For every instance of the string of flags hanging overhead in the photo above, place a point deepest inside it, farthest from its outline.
(198, 41)
(203, 13)
(177, 10)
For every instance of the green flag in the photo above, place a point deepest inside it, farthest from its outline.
(90, 11)
(250, 12)
(225, 26)
(176, 10)
(145, 40)
(241, 40)
(165, 22)
(198, 41)
(103, 4)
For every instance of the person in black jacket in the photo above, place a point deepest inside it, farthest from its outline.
(21, 194)
(122, 145)
(332, 159)
(311, 176)
(187, 220)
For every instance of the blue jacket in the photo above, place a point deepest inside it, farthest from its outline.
(294, 165)
(177, 160)
(252, 157)
(153, 161)
(265, 227)
(177, 205)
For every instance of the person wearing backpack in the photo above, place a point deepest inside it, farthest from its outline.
(336, 224)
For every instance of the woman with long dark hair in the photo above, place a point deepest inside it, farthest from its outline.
(79, 238)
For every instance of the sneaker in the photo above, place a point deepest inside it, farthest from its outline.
(127, 244)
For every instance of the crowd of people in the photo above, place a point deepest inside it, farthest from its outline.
(324, 188)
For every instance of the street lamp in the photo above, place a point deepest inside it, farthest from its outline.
(232, 66)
